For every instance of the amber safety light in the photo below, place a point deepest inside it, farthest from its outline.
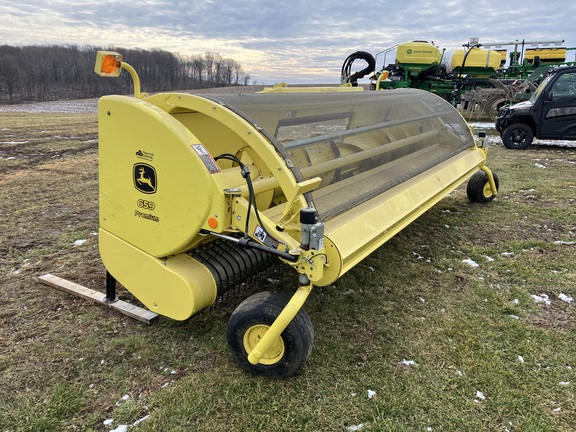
(108, 64)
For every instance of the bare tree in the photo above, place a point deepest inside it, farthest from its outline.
(10, 74)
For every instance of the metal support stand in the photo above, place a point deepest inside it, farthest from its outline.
(111, 296)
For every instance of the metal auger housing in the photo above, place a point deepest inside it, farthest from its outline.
(199, 192)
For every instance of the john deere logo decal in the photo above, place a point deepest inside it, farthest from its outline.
(145, 155)
(145, 178)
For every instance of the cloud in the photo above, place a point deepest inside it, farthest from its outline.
(298, 41)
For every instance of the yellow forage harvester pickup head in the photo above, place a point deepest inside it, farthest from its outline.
(199, 193)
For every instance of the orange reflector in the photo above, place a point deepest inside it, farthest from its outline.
(212, 223)
(110, 64)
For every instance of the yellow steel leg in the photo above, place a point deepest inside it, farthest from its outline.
(490, 179)
(280, 324)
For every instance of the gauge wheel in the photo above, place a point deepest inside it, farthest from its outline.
(478, 188)
(250, 321)
(518, 136)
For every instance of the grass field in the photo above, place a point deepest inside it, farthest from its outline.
(462, 322)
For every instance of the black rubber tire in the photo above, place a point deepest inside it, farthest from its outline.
(262, 309)
(518, 136)
(478, 188)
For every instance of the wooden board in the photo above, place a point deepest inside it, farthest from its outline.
(136, 312)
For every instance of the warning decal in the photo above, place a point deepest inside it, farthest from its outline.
(261, 235)
(207, 159)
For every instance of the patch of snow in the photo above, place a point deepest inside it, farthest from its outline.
(121, 428)
(417, 255)
(355, 427)
(108, 422)
(516, 317)
(542, 298)
(488, 258)
(565, 298)
(479, 396)
(122, 399)
(557, 409)
(564, 383)
(141, 420)
(559, 272)
(562, 242)
(482, 125)
(409, 363)
(470, 262)
(371, 394)
(540, 166)
(521, 359)
(515, 301)
(553, 143)
(79, 242)
(507, 254)
(64, 106)
(14, 142)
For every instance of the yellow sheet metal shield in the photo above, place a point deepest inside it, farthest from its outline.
(155, 185)
(177, 287)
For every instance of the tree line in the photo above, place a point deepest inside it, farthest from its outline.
(43, 73)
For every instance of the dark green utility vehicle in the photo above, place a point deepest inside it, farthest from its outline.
(549, 114)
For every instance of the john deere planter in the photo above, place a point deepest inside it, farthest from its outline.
(199, 193)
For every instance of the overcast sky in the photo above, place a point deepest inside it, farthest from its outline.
(299, 41)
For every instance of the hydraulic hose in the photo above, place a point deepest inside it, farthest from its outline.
(347, 76)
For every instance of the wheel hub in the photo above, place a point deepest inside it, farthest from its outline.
(487, 190)
(253, 336)
(519, 136)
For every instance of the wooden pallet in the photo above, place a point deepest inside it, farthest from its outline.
(136, 312)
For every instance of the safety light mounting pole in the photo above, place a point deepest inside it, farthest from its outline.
(110, 64)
